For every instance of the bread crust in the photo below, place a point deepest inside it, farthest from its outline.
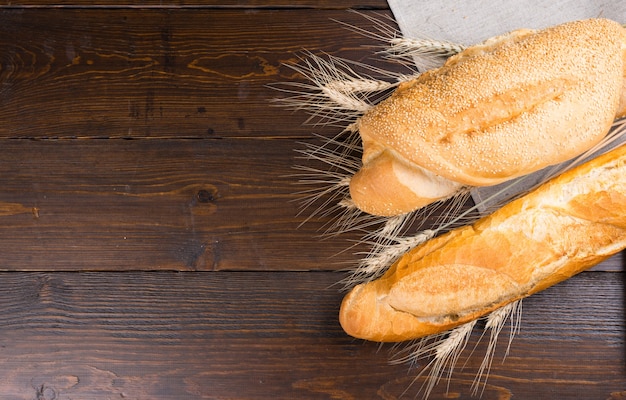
(562, 228)
(499, 110)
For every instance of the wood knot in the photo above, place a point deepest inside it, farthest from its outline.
(46, 393)
(207, 196)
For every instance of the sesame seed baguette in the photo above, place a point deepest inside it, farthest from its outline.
(565, 226)
(507, 107)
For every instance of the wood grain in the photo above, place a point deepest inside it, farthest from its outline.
(273, 335)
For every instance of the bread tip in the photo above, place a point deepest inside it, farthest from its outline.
(348, 316)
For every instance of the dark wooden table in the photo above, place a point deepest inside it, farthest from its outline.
(150, 245)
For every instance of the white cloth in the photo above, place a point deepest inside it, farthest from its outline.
(470, 22)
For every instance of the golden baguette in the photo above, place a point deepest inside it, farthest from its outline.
(498, 110)
(565, 226)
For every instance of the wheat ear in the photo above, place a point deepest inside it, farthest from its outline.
(494, 324)
(415, 53)
(443, 349)
(337, 91)
(423, 47)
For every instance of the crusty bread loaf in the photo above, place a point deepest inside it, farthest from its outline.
(499, 110)
(562, 228)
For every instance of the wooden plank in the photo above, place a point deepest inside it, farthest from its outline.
(275, 335)
(111, 73)
(158, 204)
